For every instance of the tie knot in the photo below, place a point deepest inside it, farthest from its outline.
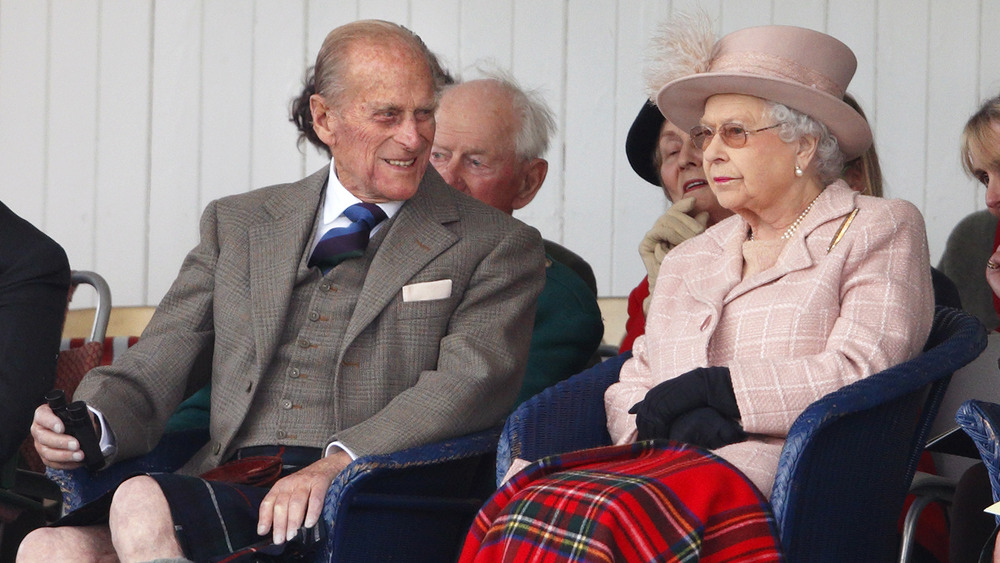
(341, 243)
(367, 213)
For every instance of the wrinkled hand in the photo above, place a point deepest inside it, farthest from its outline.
(672, 228)
(700, 387)
(56, 448)
(297, 499)
(993, 276)
(706, 427)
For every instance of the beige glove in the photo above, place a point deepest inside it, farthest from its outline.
(672, 228)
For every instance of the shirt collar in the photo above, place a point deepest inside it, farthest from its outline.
(337, 199)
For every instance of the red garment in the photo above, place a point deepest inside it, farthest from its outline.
(996, 300)
(635, 325)
(632, 503)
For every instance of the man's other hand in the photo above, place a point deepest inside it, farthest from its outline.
(297, 499)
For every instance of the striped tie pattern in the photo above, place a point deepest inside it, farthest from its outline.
(341, 243)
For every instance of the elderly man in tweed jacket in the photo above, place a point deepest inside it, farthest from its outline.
(421, 338)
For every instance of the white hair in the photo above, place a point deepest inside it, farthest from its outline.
(538, 123)
(795, 125)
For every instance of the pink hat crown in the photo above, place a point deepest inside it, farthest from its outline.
(806, 70)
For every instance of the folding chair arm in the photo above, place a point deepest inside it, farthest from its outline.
(566, 417)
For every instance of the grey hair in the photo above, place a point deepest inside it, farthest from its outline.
(795, 125)
(333, 57)
(537, 120)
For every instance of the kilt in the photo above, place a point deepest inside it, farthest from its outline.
(649, 501)
(213, 520)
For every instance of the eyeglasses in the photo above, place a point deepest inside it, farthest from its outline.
(733, 135)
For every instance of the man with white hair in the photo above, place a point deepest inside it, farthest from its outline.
(490, 138)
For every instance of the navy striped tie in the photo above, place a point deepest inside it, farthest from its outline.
(341, 243)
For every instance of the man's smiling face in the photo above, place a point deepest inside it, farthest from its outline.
(382, 126)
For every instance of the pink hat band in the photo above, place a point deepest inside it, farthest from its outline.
(763, 64)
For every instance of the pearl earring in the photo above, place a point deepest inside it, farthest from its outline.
(798, 171)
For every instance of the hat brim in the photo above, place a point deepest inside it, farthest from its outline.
(683, 103)
(642, 140)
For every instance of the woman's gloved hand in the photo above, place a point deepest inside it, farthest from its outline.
(700, 387)
(706, 427)
(672, 228)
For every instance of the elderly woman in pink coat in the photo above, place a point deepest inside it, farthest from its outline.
(807, 288)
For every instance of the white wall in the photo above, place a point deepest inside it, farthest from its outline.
(121, 119)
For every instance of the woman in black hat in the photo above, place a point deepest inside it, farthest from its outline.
(662, 154)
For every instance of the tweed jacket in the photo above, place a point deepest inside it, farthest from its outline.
(812, 323)
(419, 371)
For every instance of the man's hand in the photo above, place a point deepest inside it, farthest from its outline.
(672, 228)
(297, 500)
(57, 449)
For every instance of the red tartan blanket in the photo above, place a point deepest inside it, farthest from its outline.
(650, 501)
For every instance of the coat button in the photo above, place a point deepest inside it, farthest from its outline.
(217, 449)
(249, 386)
(704, 325)
(325, 286)
(280, 434)
(303, 343)
(286, 404)
(293, 373)
(313, 316)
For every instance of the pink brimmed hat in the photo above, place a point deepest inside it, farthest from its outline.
(803, 69)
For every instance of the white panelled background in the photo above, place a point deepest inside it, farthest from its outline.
(121, 119)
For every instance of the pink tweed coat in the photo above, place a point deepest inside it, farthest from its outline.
(812, 323)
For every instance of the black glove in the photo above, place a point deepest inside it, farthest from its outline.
(700, 387)
(706, 427)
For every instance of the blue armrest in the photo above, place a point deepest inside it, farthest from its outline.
(566, 417)
(981, 421)
(412, 505)
(849, 457)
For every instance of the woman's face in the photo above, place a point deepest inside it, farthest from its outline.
(682, 174)
(756, 177)
(986, 168)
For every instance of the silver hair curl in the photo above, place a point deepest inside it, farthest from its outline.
(795, 125)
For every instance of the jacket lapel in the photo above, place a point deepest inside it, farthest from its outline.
(276, 244)
(417, 234)
(833, 203)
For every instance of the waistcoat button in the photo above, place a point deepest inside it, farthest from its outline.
(303, 343)
(313, 316)
(280, 434)
(293, 373)
(286, 404)
(704, 325)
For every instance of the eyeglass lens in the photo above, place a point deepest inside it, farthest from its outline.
(733, 135)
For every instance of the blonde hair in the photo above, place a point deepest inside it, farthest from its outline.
(867, 163)
(982, 132)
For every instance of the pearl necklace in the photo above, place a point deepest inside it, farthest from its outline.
(795, 224)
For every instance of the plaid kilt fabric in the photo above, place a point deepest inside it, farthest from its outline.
(649, 501)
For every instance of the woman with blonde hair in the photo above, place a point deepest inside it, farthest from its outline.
(807, 288)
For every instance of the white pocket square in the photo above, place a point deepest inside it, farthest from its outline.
(427, 291)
